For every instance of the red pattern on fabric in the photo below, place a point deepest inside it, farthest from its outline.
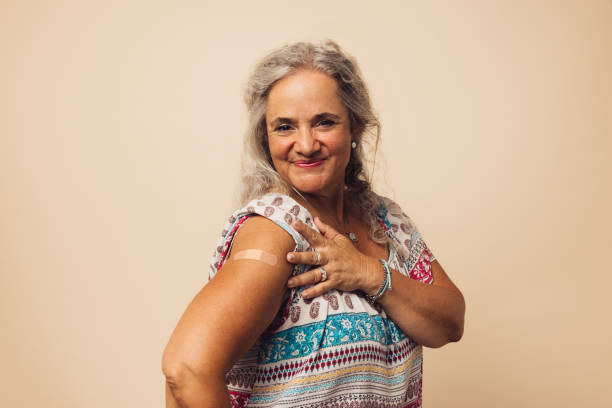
(239, 399)
(422, 269)
(228, 241)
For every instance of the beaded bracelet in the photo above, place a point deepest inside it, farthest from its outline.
(384, 286)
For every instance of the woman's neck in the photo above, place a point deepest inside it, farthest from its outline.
(331, 208)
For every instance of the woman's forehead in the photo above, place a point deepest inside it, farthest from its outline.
(304, 94)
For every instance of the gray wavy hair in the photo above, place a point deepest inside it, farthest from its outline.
(258, 174)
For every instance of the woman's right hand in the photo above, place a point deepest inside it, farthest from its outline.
(346, 268)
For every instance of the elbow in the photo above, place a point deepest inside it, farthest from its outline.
(449, 329)
(182, 383)
(173, 370)
(452, 334)
(177, 368)
(170, 362)
(450, 337)
(183, 372)
(456, 334)
(188, 386)
(455, 329)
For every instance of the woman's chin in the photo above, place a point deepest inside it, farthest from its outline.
(311, 188)
(315, 183)
(306, 189)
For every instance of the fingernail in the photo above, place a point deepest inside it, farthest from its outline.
(290, 283)
(297, 222)
(305, 294)
(291, 257)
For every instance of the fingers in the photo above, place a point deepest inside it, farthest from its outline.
(310, 234)
(312, 277)
(317, 290)
(307, 278)
(306, 258)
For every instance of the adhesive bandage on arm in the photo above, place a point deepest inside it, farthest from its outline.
(255, 255)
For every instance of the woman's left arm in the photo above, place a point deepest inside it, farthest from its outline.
(430, 314)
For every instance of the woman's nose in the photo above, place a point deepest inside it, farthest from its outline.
(307, 142)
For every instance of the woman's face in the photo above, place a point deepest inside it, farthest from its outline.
(308, 132)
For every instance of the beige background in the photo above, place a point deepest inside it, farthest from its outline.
(120, 124)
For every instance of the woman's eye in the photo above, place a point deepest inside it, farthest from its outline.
(283, 128)
(326, 123)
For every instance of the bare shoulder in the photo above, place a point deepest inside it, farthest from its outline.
(263, 234)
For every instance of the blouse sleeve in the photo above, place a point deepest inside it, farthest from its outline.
(414, 253)
(278, 208)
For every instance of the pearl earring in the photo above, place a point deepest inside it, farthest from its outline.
(353, 144)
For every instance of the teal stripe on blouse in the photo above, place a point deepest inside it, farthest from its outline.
(338, 329)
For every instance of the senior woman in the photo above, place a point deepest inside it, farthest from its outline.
(321, 293)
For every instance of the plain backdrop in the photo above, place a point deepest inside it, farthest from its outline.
(121, 128)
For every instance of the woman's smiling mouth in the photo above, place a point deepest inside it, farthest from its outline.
(307, 164)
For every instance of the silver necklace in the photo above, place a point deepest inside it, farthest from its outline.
(351, 235)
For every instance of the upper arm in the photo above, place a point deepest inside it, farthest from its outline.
(231, 311)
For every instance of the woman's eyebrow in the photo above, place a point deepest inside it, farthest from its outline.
(320, 116)
(280, 120)
(325, 115)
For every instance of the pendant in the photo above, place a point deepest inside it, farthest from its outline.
(352, 236)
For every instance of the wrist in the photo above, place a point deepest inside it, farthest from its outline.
(374, 276)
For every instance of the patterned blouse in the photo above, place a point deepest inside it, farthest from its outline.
(335, 350)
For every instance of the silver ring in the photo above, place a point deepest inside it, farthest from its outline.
(318, 261)
(323, 274)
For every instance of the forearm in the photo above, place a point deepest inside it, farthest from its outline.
(431, 315)
(187, 391)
